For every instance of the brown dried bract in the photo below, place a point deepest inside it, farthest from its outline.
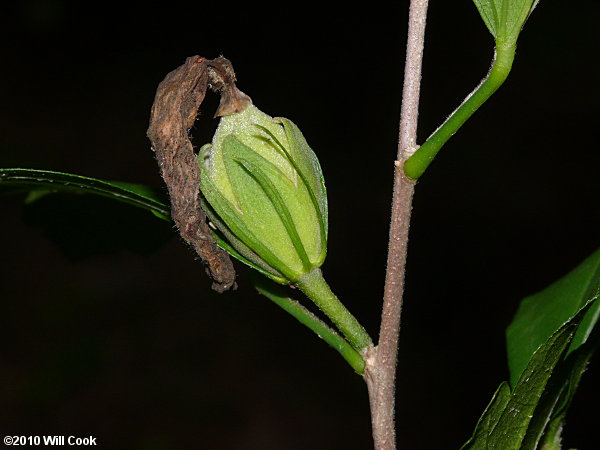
(174, 111)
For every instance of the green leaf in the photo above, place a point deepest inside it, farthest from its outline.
(46, 181)
(87, 225)
(553, 405)
(539, 315)
(84, 226)
(545, 365)
(491, 416)
(505, 18)
(510, 419)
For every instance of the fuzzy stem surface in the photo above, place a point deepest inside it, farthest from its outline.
(380, 372)
(316, 288)
(280, 297)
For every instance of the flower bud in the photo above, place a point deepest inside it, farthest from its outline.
(263, 189)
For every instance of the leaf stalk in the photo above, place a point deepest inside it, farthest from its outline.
(503, 58)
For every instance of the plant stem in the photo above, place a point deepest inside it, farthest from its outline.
(279, 296)
(501, 65)
(316, 288)
(380, 373)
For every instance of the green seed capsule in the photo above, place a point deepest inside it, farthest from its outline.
(263, 189)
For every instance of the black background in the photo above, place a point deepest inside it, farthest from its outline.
(137, 351)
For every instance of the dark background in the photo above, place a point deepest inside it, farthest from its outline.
(136, 350)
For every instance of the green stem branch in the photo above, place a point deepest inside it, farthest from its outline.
(420, 160)
(316, 288)
(278, 295)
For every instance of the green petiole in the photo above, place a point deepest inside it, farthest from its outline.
(278, 295)
(316, 288)
(420, 160)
